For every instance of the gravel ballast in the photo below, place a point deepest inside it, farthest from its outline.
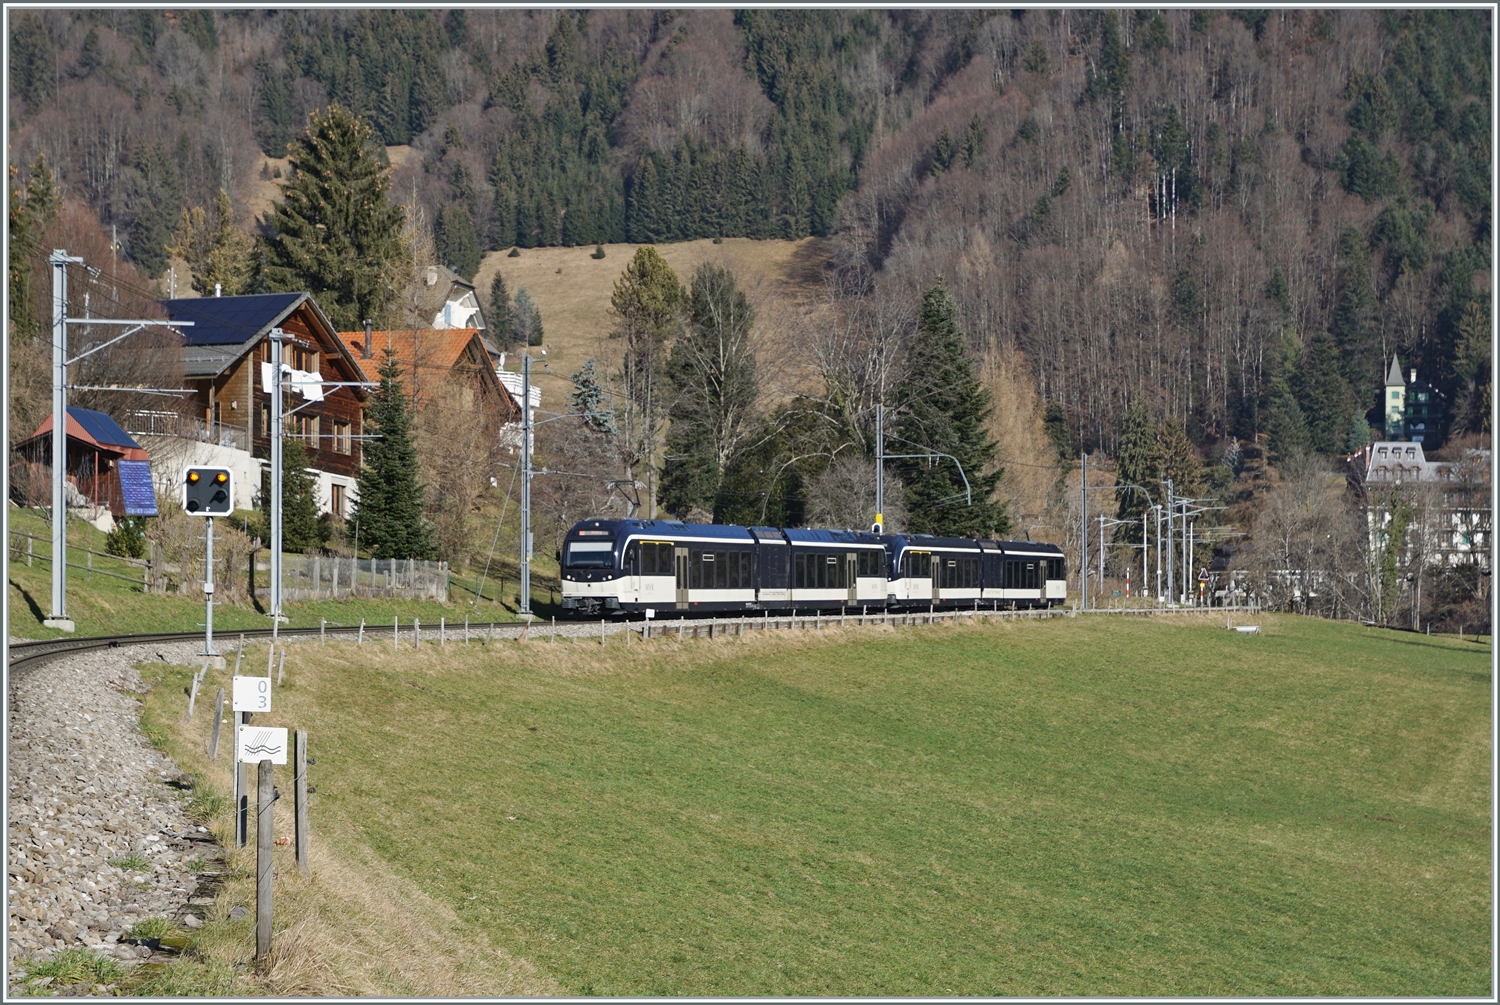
(85, 790)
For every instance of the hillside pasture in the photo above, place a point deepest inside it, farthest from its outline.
(1076, 807)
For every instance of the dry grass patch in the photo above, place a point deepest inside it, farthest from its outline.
(354, 926)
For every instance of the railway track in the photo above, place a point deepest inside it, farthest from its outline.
(27, 656)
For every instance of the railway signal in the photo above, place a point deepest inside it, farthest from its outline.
(208, 492)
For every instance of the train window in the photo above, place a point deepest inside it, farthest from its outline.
(747, 574)
(799, 580)
(590, 555)
(721, 569)
(695, 570)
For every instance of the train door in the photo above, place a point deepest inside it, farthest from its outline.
(851, 574)
(680, 557)
(939, 566)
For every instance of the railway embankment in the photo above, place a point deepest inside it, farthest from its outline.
(99, 837)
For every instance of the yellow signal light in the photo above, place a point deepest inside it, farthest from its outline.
(193, 476)
(221, 478)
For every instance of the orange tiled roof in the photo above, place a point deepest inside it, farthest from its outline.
(425, 355)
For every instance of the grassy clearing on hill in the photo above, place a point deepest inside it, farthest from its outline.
(572, 290)
(1081, 807)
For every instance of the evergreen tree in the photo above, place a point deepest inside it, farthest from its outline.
(973, 141)
(1286, 426)
(1055, 421)
(215, 250)
(335, 232)
(1355, 320)
(154, 206)
(90, 56)
(588, 398)
(32, 210)
(32, 71)
(457, 244)
(300, 527)
(1136, 466)
(274, 124)
(390, 497)
(942, 406)
(499, 316)
(526, 319)
(1175, 459)
(1359, 432)
(1324, 395)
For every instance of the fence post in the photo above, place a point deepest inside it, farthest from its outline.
(601, 631)
(416, 631)
(239, 652)
(265, 844)
(466, 631)
(28, 550)
(442, 631)
(395, 631)
(300, 802)
(322, 631)
(281, 668)
(213, 740)
(361, 632)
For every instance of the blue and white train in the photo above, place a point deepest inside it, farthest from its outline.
(627, 566)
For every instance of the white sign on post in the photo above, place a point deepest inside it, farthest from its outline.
(650, 613)
(252, 694)
(260, 743)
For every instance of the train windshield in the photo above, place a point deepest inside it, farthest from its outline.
(590, 555)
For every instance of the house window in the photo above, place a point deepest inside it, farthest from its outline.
(304, 359)
(336, 502)
(305, 428)
(265, 418)
(342, 440)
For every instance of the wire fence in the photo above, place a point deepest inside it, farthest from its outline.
(329, 577)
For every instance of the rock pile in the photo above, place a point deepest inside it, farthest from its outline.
(98, 836)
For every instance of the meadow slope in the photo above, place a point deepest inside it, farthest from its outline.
(1078, 807)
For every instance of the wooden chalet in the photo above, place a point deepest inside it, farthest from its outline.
(227, 356)
(451, 363)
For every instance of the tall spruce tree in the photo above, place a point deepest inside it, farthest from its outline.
(390, 496)
(1356, 325)
(1324, 394)
(499, 317)
(1286, 426)
(457, 244)
(1136, 466)
(942, 406)
(335, 233)
(300, 527)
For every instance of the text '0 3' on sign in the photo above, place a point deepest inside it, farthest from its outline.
(252, 694)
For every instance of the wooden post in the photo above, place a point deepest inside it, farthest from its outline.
(416, 633)
(322, 631)
(442, 631)
(466, 630)
(193, 691)
(300, 803)
(601, 631)
(553, 637)
(361, 632)
(213, 740)
(28, 550)
(265, 845)
(395, 631)
(239, 653)
(281, 668)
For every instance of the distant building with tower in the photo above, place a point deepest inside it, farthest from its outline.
(1413, 408)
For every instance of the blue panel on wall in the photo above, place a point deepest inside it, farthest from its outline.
(135, 484)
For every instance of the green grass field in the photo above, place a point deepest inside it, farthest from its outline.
(1077, 807)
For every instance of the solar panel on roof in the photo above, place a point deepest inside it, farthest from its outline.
(101, 427)
(229, 320)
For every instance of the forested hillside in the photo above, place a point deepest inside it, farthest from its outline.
(1146, 204)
